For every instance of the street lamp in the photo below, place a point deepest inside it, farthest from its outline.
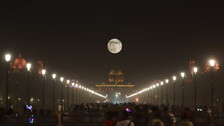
(73, 85)
(154, 94)
(7, 59)
(83, 100)
(182, 74)
(54, 77)
(174, 90)
(161, 83)
(195, 69)
(43, 73)
(167, 81)
(151, 93)
(68, 82)
(61, 79)
(80, 99)
(82, 94)
(28, 66)
(76, 95)
(157, 93)
(212, 63)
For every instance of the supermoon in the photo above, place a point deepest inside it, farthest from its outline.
(114, 46)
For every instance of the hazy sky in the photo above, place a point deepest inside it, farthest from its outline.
(159, 38)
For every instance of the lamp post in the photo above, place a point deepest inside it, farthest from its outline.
(182, 74)
(167, 81)
(151, 93)
(43, 73)
(161, 85)
(212, 64)
(157, 93)
(28, 66)
(195, 87)
(68, 82)
(80, 97)
(154, 94)
(54, 77)
(61, 79)
(85, 96)
(82, 94)
(7, 59)
(148, 95)
(76, 95)
(174, 90)
(73, 85)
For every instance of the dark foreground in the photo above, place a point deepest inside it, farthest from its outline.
(97, 114)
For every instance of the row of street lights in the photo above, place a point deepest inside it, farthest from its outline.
(54, 76)
(152, 88)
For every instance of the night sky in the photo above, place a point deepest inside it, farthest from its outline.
(159, 38)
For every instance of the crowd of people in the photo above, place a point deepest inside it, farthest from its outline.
(131, 114)
(147, 115)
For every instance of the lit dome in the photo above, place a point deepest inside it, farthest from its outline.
(19, 63)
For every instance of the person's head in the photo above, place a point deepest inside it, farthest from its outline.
(125, 115)
(115, 114)
(155, 108)
(165, 109)
(109, 115)
(157, 114)
(186, 113)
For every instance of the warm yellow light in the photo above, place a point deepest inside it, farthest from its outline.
(7, 57)
(162, 83)
(54, 76)
(31, 99)
(174, 78)
(28, 66)
(167, 81)
(195, 70)
(68, 81)
(212, 62)
(136, 100)
(73, 84)
(182, 74)
(43, 72)
(62, 79)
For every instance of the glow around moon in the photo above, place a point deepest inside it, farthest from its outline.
(114, 46)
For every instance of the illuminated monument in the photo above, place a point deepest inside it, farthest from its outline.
(116, 88)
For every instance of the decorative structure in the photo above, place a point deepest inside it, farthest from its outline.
(116, 88)
(19, 64)
(40, 66)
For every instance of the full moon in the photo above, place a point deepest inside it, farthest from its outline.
(114, 46)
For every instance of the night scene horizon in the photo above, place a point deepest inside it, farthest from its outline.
(114, 59)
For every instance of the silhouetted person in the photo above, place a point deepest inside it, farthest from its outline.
(156, 120)
(184, 121)
(126, 120)
(109, 120)
(167, 117)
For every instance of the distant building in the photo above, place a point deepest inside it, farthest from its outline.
(116, 88)
(19, 63)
